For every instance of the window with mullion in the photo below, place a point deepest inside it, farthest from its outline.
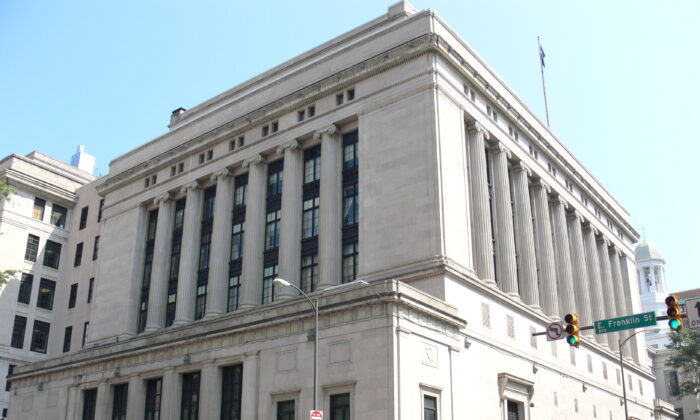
(18, 330)
(40, 336)
(350, 254)
(147, 268)
(154, 391)
(240, 191)
(32, 248)
(309, 221)
(204, 252)
(83, 217)
(231, 390)
(272, 229)
(175, 248)
(58, 215)
(312, 164)
(38, 210)
(120, 393)
(269, 274)
(350, 205)
(52, 254)
(25, 288)
(286, 410)
(89, 404)
(430, 411)
(189, 408)
(67, 337)
(340, 407)
(309, 272)
(47, 289)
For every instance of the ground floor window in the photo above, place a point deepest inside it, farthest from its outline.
(340, 407)
(89, 403)
(513, 411)
(285, 410)
(119, 402)
(231, 388)
(154, 388)
(190, 396)
(430, 407)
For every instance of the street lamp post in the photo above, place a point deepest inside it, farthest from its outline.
(314, 306)
(622, 369)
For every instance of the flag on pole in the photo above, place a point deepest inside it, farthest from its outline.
(541, 54)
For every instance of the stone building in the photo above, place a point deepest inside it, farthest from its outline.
(392, 154)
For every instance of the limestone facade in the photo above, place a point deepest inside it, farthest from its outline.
(391, 154)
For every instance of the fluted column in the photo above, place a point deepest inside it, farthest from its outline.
(331, 199)
(136, 399)
(525, 245)
(595, 284)
(170, 396)
(562, 252)
(249, 392)
(290, 232)
(482, 240)
(544, 250)
(506, 271)
(578, 258)
(220, 244)
(210, 392)
(251, 293)
(187, 276)
(607, 287)
(619, 291)
(161, 264)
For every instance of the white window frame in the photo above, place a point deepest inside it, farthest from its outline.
(430, 391)
(518, 390)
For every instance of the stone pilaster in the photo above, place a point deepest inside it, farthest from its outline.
(136, 399)
(578, 258)
(525, 244)
(482, 240)
(251, 293)
(562, 253)
(620, 301)
(331, 199)
(72, 403)
(189, 256)
(220, 244)
(161, 264)
(545, 251)
(506, 271)
(102, 403)
(170, 396)
(210, 392)
(595, 285)
(290, 232)
(250, 393)
(608, 289)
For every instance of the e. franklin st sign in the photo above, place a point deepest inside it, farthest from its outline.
(625, 322)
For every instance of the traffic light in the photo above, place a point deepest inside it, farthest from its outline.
(674, 313)
(572, 329)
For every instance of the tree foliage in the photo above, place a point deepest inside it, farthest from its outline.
(685, 358)
(6, 192)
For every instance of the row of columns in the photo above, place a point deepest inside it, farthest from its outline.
(537, 248)
(330, 249)
(210, 394)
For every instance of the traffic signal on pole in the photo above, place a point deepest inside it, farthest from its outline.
(674, 313)
(572, 329)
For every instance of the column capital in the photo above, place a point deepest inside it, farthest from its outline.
(558, 199)
(519, 166)
(574, 214)
(326, 132)
(604, 240)
(254, 160)
(476, 128)
(495, 145)
(539, 183)
(612, 249)
(592, 229)
(192, 186)
(162, 199)
(218, 175)
(290, 145)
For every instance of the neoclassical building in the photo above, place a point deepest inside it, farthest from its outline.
(392, 175)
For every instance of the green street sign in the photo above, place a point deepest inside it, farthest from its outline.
(625, 322)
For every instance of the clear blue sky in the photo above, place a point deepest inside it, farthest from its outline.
(622, 79)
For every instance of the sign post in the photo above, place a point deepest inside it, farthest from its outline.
(692, 309)
(316, 415)
(625, 322)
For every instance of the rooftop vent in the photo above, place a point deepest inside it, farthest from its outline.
(176, 116)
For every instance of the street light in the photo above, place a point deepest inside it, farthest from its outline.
(314, 306)
(622, 366)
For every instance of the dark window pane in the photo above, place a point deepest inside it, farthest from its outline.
(32, 249)
(73, 295)
(89, 404)
(25, 288)
(38, 210)
(285, 410)
(86, 328)
(8, 383)
(231, 386)
(91, 286)
(78, 255)
(83, 217)
(40, 336)
(58, 215)
(340, 407)
(67, 336)
(46, 293)
(153, 396)
(96, 248)
(429, 408)
(18, 330)
(189, 409)
(119, 401)
(52, 254)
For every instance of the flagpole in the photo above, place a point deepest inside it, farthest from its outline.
(544, 90)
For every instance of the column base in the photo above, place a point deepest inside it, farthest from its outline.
(536, 308)
(179, 322)
(212, 314)
(490, 283)
(151, 328)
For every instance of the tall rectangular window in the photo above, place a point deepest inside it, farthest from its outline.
(86, 329)
(189, 409)
(40, 336)
(269, 274)
(309, 272)
(204, 252)
(83, 218)
(240, 192)
(58, 215)
(52, 254)
(99, 211)
(78, 255)
(147, 268)
(350, 205)
(67, 337)
(672, 383)
(32, 248)
(274, 179)
(89, 404)
(96, 247)
(312, 164)
(73, 295)
(340, 407)
(47, 290)
(231, 389)
(272, 229)
(8, 383)
(38, 210)
(285, 410)
(91, 287)
(430, 409)
(350, 256)
(18, 330)
(175, 248)
(235, 265)
(309, 220)
(25, 288)
(120, 393)
(350, 232)
(154, 392)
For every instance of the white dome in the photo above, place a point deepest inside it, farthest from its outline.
(647, 251)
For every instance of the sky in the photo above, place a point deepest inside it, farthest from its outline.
(621, 80)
